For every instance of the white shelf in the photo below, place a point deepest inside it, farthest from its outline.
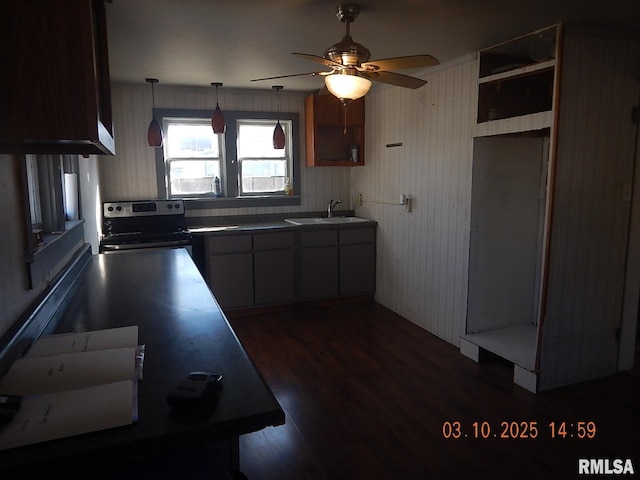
(523, 123)
(515, 344)
(518, 72)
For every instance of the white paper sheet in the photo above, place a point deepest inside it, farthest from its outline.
(64, 414)
(85, 342)
(56, 373)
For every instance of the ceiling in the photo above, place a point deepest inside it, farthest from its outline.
(196, 42)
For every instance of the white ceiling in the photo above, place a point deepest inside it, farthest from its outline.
(196, 42)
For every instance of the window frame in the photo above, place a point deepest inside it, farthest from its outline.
(220, 158)
(287, 158)
(230, 166)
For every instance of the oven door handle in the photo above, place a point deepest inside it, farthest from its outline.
(130, 246)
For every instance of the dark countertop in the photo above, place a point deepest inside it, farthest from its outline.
(275, 225)
(183, 330)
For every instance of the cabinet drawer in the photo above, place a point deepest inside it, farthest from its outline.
(229, 244)
(317, 238)
(273, 241)
(357, 235)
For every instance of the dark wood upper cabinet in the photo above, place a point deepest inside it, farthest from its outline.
(55, 87)
(332, 129)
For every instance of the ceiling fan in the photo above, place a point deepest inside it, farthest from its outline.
(351, 71)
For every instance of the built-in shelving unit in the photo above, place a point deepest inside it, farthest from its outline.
(516, 80)
(332, 130)
(551, 225)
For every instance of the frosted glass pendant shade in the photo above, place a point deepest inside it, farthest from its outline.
(347, 87)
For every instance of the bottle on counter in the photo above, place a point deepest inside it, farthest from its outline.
(216, 187)
(288, 189)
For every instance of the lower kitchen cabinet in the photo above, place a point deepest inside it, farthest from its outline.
(318, 272)
(230, 270)
(357, 261)
(318, 268)
(270, 268)
(273, 263)
(231, 279)
(357, 269)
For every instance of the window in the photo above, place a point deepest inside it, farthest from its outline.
(262, 169)
(51, 238)
(249, 170)
(193, 155)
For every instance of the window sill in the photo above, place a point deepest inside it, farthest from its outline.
(43, 261)
(240, 202)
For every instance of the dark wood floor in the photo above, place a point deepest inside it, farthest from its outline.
(366, 394)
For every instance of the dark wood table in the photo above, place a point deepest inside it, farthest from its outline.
(183, 330)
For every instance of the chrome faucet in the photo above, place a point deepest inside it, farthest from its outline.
(332, 204)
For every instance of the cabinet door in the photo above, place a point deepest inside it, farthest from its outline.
(274, 276)
(58, 79)
(319, 272)
(231, 279)
(327, 110)
(358, 269)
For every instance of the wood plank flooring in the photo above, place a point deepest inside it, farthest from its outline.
(366, 394)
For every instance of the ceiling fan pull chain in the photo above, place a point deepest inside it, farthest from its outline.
(345, 120)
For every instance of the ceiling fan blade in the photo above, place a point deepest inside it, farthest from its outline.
(396, 79)
(292, 75)
(318, 59)
(399, 63)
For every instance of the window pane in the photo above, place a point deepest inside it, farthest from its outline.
(255, 140)
(263, 175)
(191, 140)
(193, 177)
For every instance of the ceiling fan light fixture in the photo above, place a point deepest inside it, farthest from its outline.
(154, 132)
(217, 118)
(347, 87)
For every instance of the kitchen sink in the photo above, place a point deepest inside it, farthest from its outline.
(324, 220)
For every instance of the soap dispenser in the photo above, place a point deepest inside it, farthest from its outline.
(288, 189)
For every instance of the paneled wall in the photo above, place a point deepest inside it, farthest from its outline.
(422, 260)
(131, 174)
(590, 231)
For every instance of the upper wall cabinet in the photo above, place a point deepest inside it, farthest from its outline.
(56, 89)
(334, 133)
(516, 83)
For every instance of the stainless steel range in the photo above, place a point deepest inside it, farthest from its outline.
(143, 224)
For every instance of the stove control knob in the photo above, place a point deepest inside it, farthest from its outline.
(177, 205)
(118, 208)
(110, 209)
(169, 206)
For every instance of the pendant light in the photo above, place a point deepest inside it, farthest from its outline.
(217, 119)
(154, 133)
(278, 132)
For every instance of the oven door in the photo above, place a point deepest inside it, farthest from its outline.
(110, 247)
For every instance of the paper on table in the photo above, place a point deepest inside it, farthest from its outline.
(64, 414)
(56, 373)
(121, 337)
